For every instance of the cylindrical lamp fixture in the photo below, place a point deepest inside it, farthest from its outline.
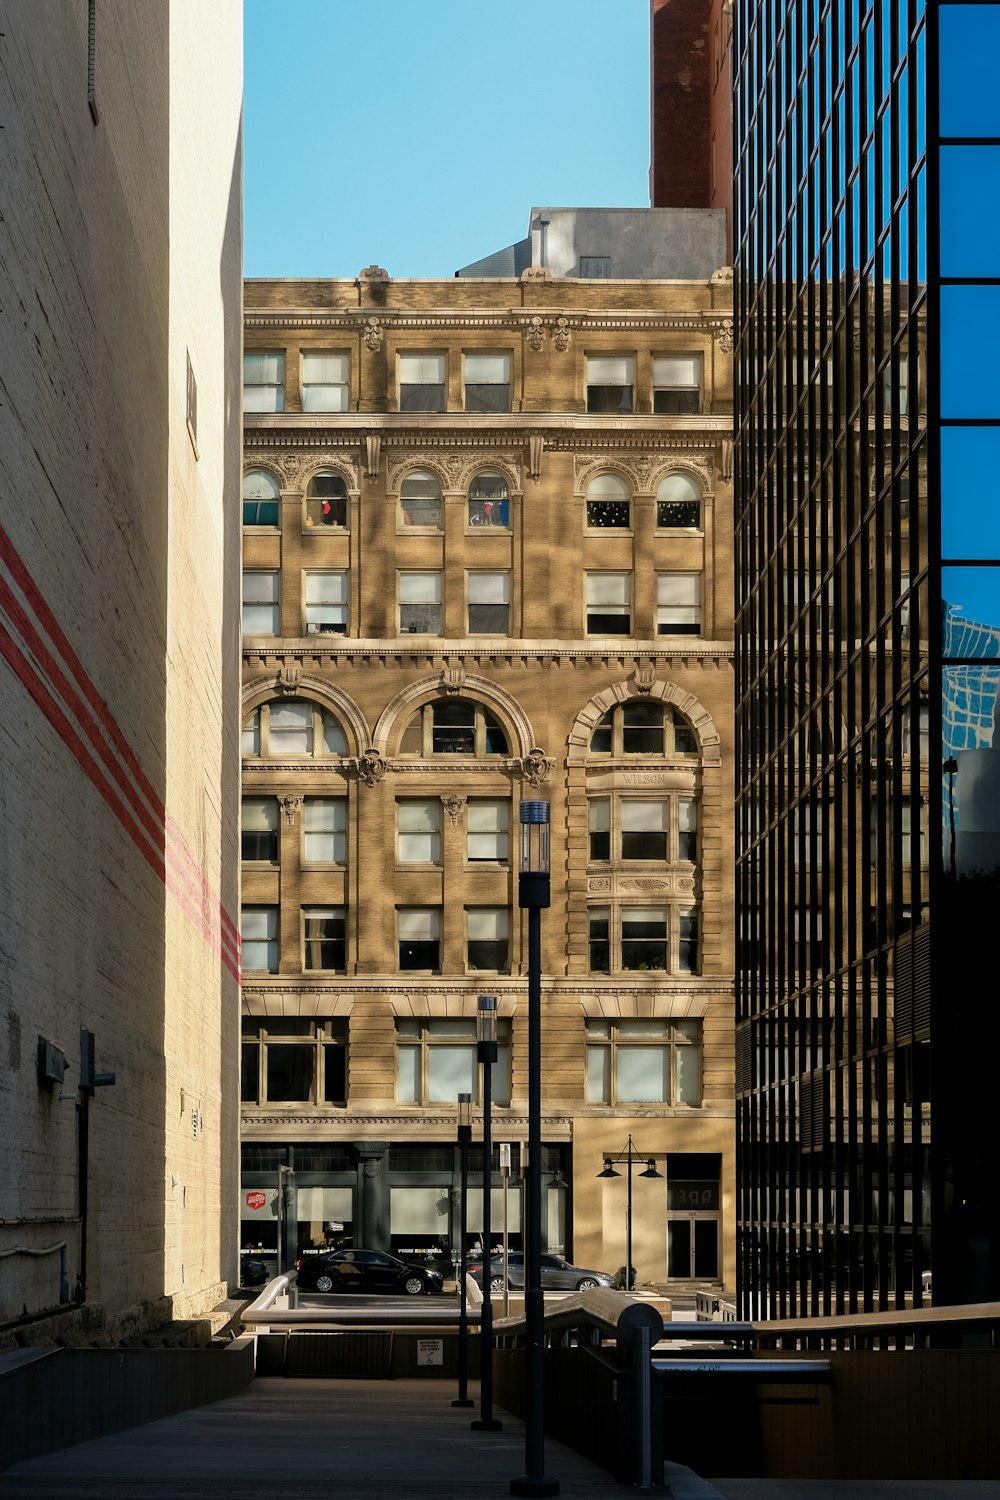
(486, 1026)
(533, 866)
(465, 1117)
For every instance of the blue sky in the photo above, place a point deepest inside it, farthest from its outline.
(418, 133)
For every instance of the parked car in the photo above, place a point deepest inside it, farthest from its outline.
(557, 1274)
(254, 1271)
(370, 1271)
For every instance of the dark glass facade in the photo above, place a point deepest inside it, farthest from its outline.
(867, 295)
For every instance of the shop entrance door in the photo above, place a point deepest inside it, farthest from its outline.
(693, 1216)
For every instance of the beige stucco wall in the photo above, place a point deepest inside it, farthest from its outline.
(121, 247)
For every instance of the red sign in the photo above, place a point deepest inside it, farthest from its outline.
(257, 1199)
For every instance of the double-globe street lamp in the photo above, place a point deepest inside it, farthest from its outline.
(533, 894)
(629, 1154)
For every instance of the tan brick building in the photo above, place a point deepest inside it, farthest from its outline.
(487, 557)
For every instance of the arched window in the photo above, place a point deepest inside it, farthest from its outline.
(608, 503)
(420, 500)
(489, 500)
(453, 726)
(326, 501)
(261, 499)
(293, 727)
(643, 726)
(678, 504)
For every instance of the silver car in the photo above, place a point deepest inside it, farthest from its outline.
(557, 1274)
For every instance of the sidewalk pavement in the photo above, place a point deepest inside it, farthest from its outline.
(371, 1440)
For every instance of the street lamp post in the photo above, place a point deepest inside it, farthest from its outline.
(464, 1138)
(486, 1049)
(533, 893)
(629, 1154)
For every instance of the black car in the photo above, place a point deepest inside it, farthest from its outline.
(370, 1271)
(557, 1274)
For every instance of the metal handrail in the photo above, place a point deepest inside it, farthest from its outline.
(265, 1311)
(774, 1332)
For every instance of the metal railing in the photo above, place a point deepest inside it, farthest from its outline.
(277, 1306)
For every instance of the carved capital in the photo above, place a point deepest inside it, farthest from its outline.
(453, 807)
(535, 767)
(723, 335)
(561, 336)
(373, 333)
(536, 334)
(290, 806)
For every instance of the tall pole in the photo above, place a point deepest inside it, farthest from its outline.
(629, 1287)
(464, 1137)
(487, 1052)
(533, 895)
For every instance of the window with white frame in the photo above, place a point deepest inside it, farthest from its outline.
(419, 930)
(454, 726)
(678, 603)
(324, 831)
(487, 382)
(643, 828)
(324, 938)
(436, 1060)
(643, 726)
(420, 604)
(649, 1061)
(261, 606)
(609, 503)
(609, 603)
(264, 381)
(610, 382)
(293, 728)
(293, 1060)
(488, 934)
(487, 830)
(418, 822)
(261, 499)
(259, 830)
(326, 382)
(326, 502)
(623, 939)
(678, 504)
(423, 382)
(489, 501)
(676, 383)
(420, 502)
(489, 603)
(326, 603)
(259, 939)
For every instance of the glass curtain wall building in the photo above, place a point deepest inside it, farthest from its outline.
(867, 307)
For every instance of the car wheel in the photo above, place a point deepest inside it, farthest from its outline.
(587, 1284)
(324, 1283)
(413, 1286)
(496, 1283)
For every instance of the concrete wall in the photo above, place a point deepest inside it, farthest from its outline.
(677, 243)
(120, 239)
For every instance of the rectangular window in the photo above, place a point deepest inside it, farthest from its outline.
(678, 604)
(489, 603)
(488, 929)
(419, 824)
(488, 829)
(294, 1061)
(423, 382)
(610, 382)
(609, 603)
(676, 383)
(644, 1062)
(600, 827)
(259, 938)
(326, 382)
(687, 941)
(326, 603)
(644, 829)
(687, 829)
(261, 610)
(419, 937)
(264, 382)
(436, 1061)
(487, 382)
(324, 831)
(259, 830)
(420, 603)
(324, 938)
(599, 921)
(644, 937)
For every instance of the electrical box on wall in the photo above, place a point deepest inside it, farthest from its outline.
(52, 1062)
